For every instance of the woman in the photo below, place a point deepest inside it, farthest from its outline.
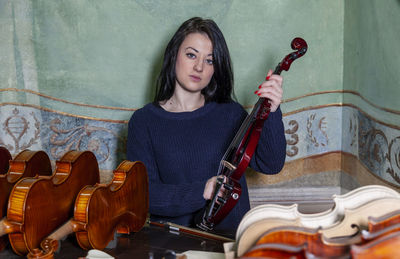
(182, 136)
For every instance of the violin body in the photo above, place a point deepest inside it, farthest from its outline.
(384, 247)
(239, 153)
(299, 241)
(379, 224)
(121, 206)
(26, 164)
(101, 209)
(351, 200)
(353, 221)
(38, 205)
(5, 158)
(351, 208)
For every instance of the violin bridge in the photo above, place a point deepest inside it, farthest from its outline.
(228, 165)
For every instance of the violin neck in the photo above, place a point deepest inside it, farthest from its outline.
(2, 227)
(7, 227)
(62, 231)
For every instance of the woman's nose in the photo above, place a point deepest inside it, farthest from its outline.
(198, 65)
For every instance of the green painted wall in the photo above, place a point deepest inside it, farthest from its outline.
(71, 69)
(109, 52)
(372, 56)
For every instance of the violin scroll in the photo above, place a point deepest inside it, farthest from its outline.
(298, 44)
(48, 248)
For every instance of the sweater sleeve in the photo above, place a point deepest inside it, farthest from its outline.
(270, 153)
(169, 200)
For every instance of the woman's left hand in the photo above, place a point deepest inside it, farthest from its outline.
(271, 89)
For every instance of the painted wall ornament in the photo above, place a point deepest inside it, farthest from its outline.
(293, 139)
(79, 134)
(317, 131)
(394, 159)
(23, 130)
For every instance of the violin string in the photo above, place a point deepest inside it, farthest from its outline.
(239, 135)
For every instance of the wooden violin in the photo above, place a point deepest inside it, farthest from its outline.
(300, 242)
(5, 158)
(382, 238)
(26, 164)
(343, 233)
(261, 218)
(353, 221)
(238, 155)
(38, 205)
(384, 247)
(102, 209)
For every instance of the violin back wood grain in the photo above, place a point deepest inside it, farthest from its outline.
(38, 205)
(26, 164)
(121, 206)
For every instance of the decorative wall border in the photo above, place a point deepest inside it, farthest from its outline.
(25, 127)
(348, 129)
(125, 109)
(310, 132)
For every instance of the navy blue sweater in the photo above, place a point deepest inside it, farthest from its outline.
(183, 150)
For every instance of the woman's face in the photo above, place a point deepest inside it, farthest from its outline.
(194, 63)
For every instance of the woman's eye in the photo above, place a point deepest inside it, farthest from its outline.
(190, 55)
(209, 61)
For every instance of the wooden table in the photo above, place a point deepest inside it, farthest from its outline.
(151, 242)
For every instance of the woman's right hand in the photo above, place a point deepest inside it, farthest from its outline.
(210, 188)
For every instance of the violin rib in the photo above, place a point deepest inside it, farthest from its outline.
(383, 247)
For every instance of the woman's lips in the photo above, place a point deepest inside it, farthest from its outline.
(195, 78)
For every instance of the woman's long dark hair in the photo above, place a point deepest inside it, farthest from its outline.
(221, 84)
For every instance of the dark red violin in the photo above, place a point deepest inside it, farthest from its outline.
(238, 155)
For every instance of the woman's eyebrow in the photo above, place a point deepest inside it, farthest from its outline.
(195, 50)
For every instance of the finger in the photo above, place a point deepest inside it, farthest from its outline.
(274, 100)
(264, 91)
(269, 74)
(273, 81)
(271, 86)
(277, 78)
(209, 188)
